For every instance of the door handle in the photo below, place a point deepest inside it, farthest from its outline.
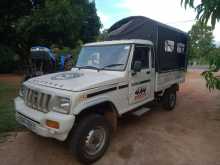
(133, 73)
(148, 72)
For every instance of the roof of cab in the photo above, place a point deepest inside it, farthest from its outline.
(115, 42)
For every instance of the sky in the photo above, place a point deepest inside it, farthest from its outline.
(166, 11)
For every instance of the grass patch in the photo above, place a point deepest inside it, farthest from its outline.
(7, 113)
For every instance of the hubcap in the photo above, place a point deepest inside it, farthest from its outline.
(95, 140)
(172, 100)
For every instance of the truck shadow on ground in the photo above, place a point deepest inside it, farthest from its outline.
(50, 151)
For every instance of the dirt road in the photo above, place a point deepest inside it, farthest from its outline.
(189, 135)
(13, 79)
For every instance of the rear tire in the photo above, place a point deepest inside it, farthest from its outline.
(169, 99)
(91, 138)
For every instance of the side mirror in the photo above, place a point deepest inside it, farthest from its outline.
(137, 66)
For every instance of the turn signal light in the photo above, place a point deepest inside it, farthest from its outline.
(52, 124)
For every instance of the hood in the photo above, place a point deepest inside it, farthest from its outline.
(77, 80)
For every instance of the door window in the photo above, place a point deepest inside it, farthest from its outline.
(141, 53)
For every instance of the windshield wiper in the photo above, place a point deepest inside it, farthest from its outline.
(111, 65)
(88, 67)
(94, 67)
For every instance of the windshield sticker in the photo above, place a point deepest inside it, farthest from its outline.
(126, 47)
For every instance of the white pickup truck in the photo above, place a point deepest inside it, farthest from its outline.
(110, 78)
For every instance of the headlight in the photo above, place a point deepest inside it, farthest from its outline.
(22, 91)
(61, 105)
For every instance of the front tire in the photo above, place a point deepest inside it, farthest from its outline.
(91, 138)
(169, 99)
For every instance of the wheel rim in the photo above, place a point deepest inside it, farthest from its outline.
(95, 141)
(172, 100)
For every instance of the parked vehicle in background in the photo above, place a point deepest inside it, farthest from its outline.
(140, 61)
(44, 61)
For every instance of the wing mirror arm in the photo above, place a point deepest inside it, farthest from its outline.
(137, 67)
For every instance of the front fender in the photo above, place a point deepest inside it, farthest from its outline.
(91, 102)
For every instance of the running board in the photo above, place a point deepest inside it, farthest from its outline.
(141, 111)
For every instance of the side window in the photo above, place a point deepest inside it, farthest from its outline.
(169, 46)
(180, 48)
(141, 53)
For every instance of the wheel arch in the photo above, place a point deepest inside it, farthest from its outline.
(105, 108)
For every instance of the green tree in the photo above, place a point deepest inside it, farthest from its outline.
(10, 12)
(206, 10)
(103, 35)
(57, 22)
(91, 23)
(213, 80)
(49, 22)
(200, 43)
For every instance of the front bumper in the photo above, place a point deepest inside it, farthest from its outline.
(36, 121)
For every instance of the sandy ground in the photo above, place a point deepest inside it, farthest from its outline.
(189, 135)
(13, 79)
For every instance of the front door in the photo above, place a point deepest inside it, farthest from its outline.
(141, 83)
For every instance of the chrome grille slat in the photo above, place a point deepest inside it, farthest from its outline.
(32, 99)
(26, 96)
(37, 100)
(29, 97)
(41, 100)
(48, 100)
(44, 102)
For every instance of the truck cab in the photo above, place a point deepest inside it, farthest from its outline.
(110, 79)
(131, 61)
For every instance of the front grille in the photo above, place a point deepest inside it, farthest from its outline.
(37, 100)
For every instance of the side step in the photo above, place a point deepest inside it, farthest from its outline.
(141, 111)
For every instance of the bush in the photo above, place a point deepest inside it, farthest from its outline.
(7, 60)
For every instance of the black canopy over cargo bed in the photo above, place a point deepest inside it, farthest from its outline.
(169, 43)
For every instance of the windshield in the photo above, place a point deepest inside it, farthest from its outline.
(109, 57)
